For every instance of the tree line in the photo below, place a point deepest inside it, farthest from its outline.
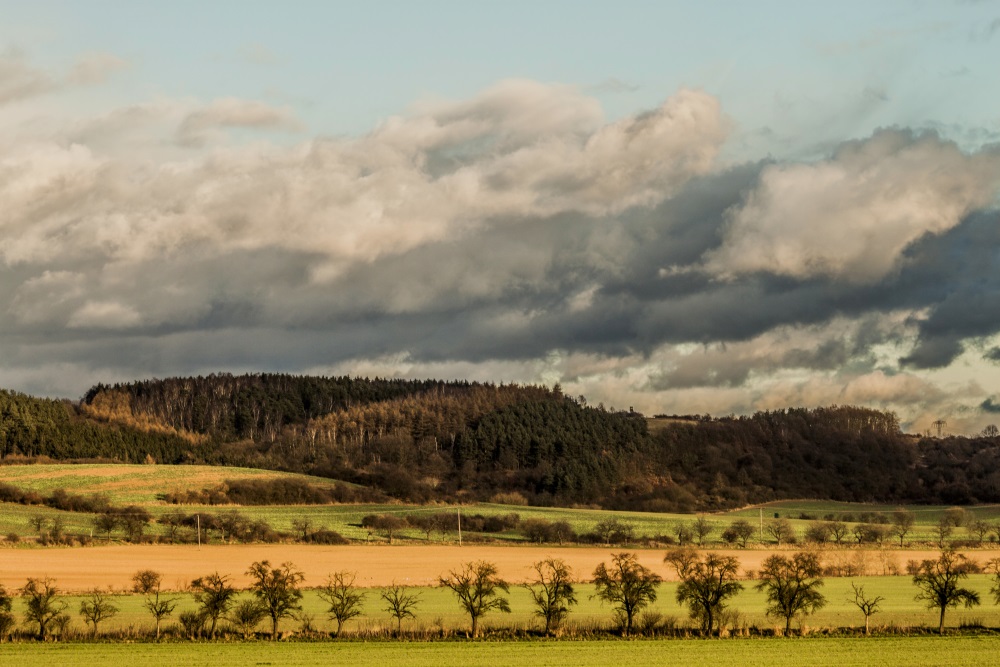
(791, 584)
(420, 441)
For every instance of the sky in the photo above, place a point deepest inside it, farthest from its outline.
(677, 207)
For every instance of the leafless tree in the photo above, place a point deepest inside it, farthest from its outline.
(868, 606)
(343, 599)
(147, 583)
(627, 585)
(552, 591)
(96, 607)
(478, 586)
(938, 583)
(400, 604)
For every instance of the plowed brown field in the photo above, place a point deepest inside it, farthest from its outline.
(80, 569)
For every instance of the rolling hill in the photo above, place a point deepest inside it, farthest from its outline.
(430, 440)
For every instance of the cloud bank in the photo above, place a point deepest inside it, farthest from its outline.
(517, 235)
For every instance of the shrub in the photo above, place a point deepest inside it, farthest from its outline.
(192, 622)
(509, 498)
(325, 536)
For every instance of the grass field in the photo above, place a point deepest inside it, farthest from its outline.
(128, 483)
(438, 611)
(967, 651)
(145, 484)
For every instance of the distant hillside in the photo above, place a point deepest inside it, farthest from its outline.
(412, 439)
(426, 440)
(32, 427)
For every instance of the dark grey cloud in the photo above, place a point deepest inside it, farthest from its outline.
(479, 233)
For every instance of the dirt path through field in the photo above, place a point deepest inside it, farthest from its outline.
(79, 569)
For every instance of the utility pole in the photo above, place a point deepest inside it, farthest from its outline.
(761, 524)
(199, 531)
(459, 509)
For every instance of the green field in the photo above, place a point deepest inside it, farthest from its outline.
(439, 613)
(967, 651)
(145, 485)
(127, 484)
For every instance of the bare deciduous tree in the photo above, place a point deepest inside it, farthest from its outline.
(739, 532)
(41, 605)
(791, 586)
(838, 531)
(147, 583)
(400, 604)
(702, 528)
(627, 585)
(706, 584)
(980, 529)
(943, 529)
(215, 596)
(343, 599)
(552, 591)
(277, 590)
(478, 586)
(902, 523)
(938, 583)
(868, 606)
(781, 530)
(96, 607)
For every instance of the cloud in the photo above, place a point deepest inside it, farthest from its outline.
(851, 216)
(514, 235)
(94, 68)
(202, 125)
(816, 348)
(19, 80)
(990, 405)
(104, 315)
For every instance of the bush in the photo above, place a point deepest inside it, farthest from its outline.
(324, 536)
(192, 623)
(537, 530)
(509, 498)
(13, 538)
(7, 623)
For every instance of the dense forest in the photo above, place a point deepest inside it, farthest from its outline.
(430, 440)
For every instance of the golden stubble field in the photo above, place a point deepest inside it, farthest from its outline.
(81, 569)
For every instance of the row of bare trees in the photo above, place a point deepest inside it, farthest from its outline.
(878, 528)
(791, 585)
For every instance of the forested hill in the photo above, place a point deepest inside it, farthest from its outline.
(425, 440)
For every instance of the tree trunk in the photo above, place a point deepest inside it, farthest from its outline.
(941, 624)
(475, 626)
(866, 624)
(274, 628)
(788, 625)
